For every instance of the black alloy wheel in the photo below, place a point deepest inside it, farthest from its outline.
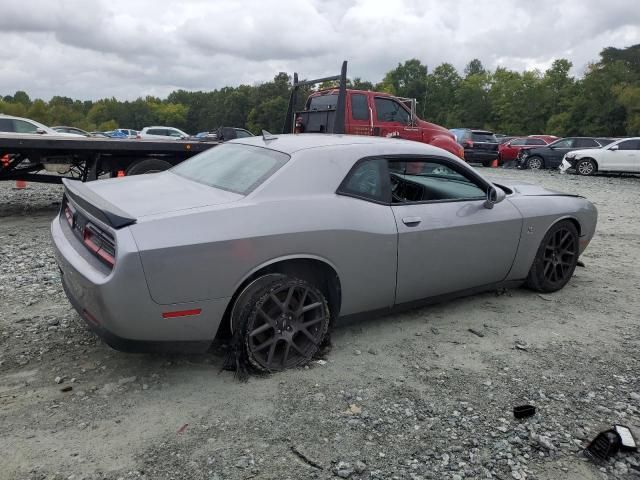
(556, 259)
(284, 323)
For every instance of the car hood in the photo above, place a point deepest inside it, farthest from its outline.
(165, 192)
(524, 189)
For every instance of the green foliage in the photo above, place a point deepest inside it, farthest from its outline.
(605, 101)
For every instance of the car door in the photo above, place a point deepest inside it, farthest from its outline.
(448, 240)
(392, 119)
(509, 151)
(557, 150)
(627, 156)
(359, 113)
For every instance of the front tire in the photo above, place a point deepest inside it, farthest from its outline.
(586, 167)
(535, 163)
(556, 258)
(281, 323)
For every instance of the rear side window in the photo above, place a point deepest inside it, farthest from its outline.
(586, 143)
(323, 102)
(367, 180)
(233, 167)
(518, 142)
(486, 137)
(6, 125)
(359, 107)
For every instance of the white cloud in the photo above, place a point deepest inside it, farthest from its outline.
(129, 49)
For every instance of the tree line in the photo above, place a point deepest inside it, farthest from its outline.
(604, 101)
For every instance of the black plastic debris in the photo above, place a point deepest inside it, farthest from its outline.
(605, 445)
(524, 411)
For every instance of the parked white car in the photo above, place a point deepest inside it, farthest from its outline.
(620, 156)
(163, 133)
(25, 126)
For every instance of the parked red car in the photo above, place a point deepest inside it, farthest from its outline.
(508, 152)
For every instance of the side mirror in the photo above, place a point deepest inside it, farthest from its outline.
(614, 148)
(40, 131)
(494, 195)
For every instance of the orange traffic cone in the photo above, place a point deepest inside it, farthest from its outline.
(21, 184)
(494, 163)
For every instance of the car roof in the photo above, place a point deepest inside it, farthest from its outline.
(292, 142)
(473, 130)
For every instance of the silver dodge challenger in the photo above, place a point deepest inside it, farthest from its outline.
(271, 239)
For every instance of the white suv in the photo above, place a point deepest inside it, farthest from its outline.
(620, 156)
(19, 125)
(163, 133)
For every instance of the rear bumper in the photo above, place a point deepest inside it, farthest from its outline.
(117, 305)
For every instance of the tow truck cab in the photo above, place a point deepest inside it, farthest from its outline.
(359, 112)
(372, 113)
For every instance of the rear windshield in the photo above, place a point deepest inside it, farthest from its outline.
(232, 167)
(323, 102)
(484, 137)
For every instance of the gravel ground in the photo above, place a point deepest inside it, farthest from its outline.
(411, 396)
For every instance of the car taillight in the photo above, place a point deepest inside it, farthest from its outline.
(100, 243)
(468, 144)
(69, 215)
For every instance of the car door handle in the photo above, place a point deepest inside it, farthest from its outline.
(411, 221)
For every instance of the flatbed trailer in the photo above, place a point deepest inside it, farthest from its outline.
(22, 157)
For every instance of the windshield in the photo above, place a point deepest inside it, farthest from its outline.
(233, 167)
(323, 102)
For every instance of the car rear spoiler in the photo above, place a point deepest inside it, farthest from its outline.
(338, 126)
(94, 204)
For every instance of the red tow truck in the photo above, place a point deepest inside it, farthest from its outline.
(360, 112)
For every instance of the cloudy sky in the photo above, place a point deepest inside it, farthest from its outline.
(90, 49)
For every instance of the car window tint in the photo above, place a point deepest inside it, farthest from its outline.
(629, 145)
(233, 167)
(518, 142)
(366, 180)
(388, 110)
(24, 127)
(6, 125)
(323, 102)
(359, 107)
(564, 143)
(486, 137)
(424, 181)
(173, 133)
(243, 134)
(535, 141)
(586, 143)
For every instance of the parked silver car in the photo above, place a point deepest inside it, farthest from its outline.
(274, 238)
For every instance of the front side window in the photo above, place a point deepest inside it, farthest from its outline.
(24, 127)
(243, 134)
(388, 110)
(359, 107)
(535, 141)
(430, 180)
(629, 145)
(233, 167)
(586, 143)
(174, 133)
